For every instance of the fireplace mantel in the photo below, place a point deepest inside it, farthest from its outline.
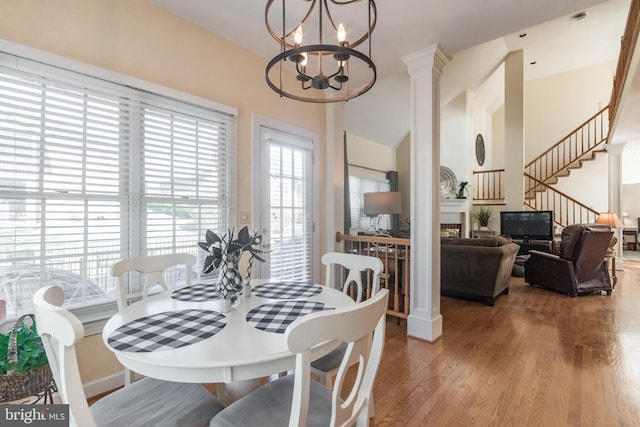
(455, 211)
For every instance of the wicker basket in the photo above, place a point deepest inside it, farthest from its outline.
(13, 385)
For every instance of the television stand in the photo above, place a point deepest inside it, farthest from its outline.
(535, 245)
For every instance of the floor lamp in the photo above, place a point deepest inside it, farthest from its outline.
(381, 203)
(611, 220)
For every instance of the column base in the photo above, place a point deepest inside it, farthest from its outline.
(419, 325)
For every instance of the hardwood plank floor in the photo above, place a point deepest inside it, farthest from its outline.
(537, 358)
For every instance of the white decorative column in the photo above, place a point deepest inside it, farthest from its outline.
(425, 69)
(614, 152)
(334, 175)
(514, 130)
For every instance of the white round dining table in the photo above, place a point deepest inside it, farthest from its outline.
(236, 352)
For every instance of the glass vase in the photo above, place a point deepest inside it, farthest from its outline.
(229, 283)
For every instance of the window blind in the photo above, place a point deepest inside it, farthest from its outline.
(92, 172)
(359, 184)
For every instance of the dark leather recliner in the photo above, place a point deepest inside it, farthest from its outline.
(580, 267)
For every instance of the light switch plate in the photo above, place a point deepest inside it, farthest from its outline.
(245, 217)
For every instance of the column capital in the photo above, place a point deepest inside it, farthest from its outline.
(431, 57)
(615, 149)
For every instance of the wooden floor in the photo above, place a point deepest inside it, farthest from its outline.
(537, 358)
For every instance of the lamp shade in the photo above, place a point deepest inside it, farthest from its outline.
(382, 202)
(610, 219)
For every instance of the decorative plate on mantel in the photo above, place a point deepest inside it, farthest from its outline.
(448, 183)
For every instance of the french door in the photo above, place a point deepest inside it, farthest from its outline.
(286, 204)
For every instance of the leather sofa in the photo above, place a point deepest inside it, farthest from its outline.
(476, 269)
(580, 266)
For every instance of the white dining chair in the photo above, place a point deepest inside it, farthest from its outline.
(327, 366)
(296, 400)
(154, 268)
(148, 402)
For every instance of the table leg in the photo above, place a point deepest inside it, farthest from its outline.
(228, 393)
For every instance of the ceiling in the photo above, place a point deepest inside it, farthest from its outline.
(465, 31)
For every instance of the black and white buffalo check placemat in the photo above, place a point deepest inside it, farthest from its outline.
(286, 290)
(167, 330)
(276, 316)
(196, 293)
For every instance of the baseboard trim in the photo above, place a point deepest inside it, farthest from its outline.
(106, 384)
(420, 326)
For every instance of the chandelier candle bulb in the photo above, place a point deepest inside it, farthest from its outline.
(342, 35)
(297, 36)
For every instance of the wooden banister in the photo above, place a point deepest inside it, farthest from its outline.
(488, 185)
(627, 47)
(395, 254)
(567, 152)
(566, 209)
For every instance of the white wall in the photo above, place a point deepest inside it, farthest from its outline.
(403, 166)
(630, 163)
(454, 138)
(631, 203)
(631, 182)
(497, 140)
(556, 105)
(483, 124)
(388, 105)
(371, 154)
(588, 185)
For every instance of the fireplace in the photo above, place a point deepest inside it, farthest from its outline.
(453, 216)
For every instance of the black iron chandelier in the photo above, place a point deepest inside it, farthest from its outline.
(321, 67)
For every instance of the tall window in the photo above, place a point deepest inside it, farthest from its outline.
(364, 181)
(92, 172)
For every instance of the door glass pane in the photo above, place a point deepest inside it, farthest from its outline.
(290, 219)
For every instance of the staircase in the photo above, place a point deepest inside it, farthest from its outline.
(579, 146)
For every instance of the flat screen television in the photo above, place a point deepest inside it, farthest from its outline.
(527, 225)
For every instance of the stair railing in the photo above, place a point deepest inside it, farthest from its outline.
(567, 152)
(627, 47)
(488, 186)
(395, 254)
(566, 210)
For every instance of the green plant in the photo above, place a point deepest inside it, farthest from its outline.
(482, 215)
(461, 190)
(31, 352)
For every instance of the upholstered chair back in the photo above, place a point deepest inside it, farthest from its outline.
(590, 252)
(569, 239)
